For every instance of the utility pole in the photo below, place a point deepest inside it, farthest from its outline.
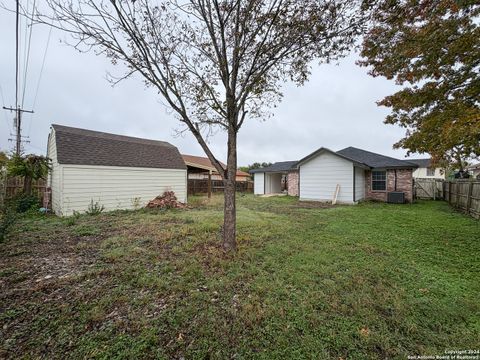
(18, 127)
(18, 110)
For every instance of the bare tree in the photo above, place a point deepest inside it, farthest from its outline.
(215, 63)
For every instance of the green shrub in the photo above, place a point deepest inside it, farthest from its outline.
(94, 208)
(72, 220)
(8, 216)
(22, 203)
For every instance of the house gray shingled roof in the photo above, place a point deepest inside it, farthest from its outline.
(423, 163)
(374, 160)
(277, 167)
(87, 147)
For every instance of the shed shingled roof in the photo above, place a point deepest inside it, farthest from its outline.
(87, 147)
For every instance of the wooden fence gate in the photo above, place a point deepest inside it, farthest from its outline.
(428, 189)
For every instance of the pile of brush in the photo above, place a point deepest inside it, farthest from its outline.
(166, 201)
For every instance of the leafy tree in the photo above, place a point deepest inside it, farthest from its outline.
(3, 159)
(432, 47)
(30, 167)
(255, 165)
(214, 63)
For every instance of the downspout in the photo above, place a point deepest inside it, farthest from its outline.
(264, 182)
(395, 171)
(354, 195)
(298, 182)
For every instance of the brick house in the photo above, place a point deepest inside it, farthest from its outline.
(354, 174)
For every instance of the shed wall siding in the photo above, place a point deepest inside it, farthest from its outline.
(359, 184)
(320, 176)
(54, 177)
(259, 183)
(118, 187)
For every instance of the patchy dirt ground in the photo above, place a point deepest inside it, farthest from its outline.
(372, 281)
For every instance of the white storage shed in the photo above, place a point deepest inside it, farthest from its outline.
(115, 171)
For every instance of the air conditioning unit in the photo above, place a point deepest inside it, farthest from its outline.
(396, 197)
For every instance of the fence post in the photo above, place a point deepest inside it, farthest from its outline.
(209, 185)
(457, 192)
(3, 186)
(450, 192)
(469, 197)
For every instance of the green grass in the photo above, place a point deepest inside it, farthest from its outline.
(372, 281)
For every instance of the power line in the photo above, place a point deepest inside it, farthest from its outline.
(40, 75)
(27, 53)
(25, 45)
(3, 104)
(18, 110)
(17, 22)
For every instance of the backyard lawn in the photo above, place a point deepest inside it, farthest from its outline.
(372, 281)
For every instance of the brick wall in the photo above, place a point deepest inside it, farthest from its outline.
(292, 183)
(404, 184)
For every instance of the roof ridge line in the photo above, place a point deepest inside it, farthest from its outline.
(99, 134)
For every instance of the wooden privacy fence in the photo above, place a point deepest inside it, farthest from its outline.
(428, 189)
(10, 186)
(464, 195)
(200, 186)
(3, 184)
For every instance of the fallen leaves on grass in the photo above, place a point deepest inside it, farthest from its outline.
(365, 331)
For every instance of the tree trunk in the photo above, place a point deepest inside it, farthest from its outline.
(27, 185)
(229, 211)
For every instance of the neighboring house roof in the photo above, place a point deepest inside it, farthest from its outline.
(242, 173)
(87, 147)
(202, 162)
(422, 163)
(374, 160)
(277, 167)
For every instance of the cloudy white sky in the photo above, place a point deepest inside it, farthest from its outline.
(335, 109)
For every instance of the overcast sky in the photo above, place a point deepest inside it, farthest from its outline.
(335, 109)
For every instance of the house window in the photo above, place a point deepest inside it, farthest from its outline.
(379, 180)
(430, 171)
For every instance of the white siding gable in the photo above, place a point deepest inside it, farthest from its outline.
(320, 175)
(258, 183)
